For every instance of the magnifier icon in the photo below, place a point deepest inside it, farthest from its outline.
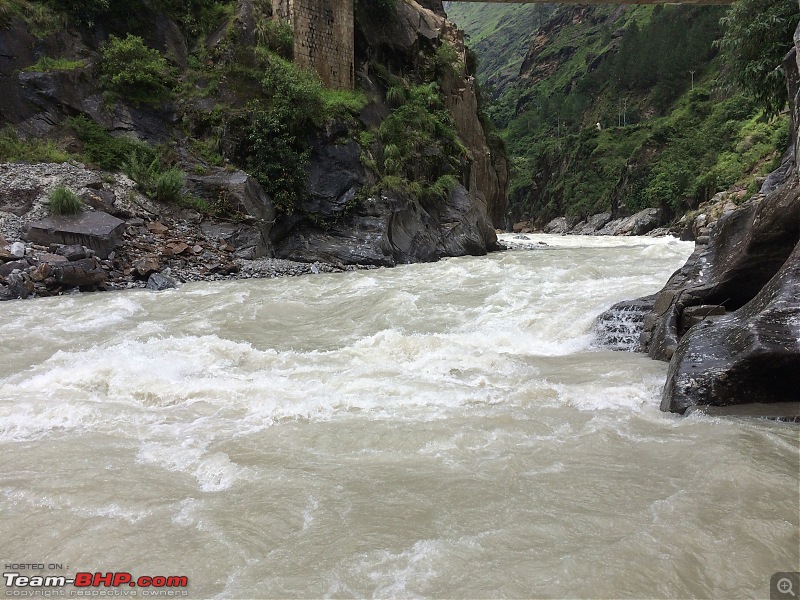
(785, 587)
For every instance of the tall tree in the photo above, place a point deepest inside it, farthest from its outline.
(758, 34)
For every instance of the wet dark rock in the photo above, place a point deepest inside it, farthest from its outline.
(692, 315)
(14, 265)
(557, 226)
(96, 230)
(246, 240)
(336, 174)
(752, 355)
(84, 273)
(746, 249)
(72, 252)
(639, 224)
(393, 229)
(158, 282)
(19, 285)
(592, 225)
(620, 327)
(242, 193)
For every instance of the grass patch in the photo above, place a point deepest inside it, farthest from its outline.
(40, 19)
(47, 65)
(15, 149)
(64, 202)
(343, 103)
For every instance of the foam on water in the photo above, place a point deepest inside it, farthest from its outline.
(432, 430)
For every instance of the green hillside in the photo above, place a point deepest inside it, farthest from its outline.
(499, 35)
(620, 108)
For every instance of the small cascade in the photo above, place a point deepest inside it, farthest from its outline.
(619, 327)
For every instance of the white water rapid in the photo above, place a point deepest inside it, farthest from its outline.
(435, 430)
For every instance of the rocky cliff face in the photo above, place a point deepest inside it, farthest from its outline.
(729, 320)
(345, 219)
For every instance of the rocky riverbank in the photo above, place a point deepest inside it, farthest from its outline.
(120, 240)
(728, 322)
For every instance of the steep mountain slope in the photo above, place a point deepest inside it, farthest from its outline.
(190, 99)
(619, 108)
(496, 33)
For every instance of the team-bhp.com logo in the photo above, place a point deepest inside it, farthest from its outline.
(158, 585)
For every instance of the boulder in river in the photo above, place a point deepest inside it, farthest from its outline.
(752, 355)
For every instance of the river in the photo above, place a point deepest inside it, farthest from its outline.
(434, 430)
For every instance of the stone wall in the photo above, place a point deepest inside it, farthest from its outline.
(323, 37)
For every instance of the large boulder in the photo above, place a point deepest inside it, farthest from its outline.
(335, 176)
(592, 225)
(729, 319)
(752, 355)
(241, 193)
(94, 229)
(392, 229)
(746, 249)
(639, 224)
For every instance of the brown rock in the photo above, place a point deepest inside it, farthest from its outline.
(81, 273)
(157, 227)
(42, 272)
(5, 255)
(178, 248)
(144, 267)
(52, 258)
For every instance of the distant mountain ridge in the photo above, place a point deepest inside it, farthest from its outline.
(616, 108)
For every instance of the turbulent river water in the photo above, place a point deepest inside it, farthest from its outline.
(435, 430)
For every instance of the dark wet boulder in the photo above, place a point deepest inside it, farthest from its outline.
(94, 229)
(592, 225)
(335, 176)
(84, 273)
(746, 249)
(393, 228)
(240, 193)
(620, 327)
(752, 355)
(158, 282)
(246, 240)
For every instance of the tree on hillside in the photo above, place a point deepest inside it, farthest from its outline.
(758, 34)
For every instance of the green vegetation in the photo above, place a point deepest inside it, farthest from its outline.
(40, 18)
(62, 201)
(622, 110)
(421, 152)
(154, 180)
(500, 34)
(343, 104)
(15, 149)
(131, 70)
(147, 165)
(109, 152)
(274, 149)
(47, 64)
(85, 11)
(758, 34)
(275, 35)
